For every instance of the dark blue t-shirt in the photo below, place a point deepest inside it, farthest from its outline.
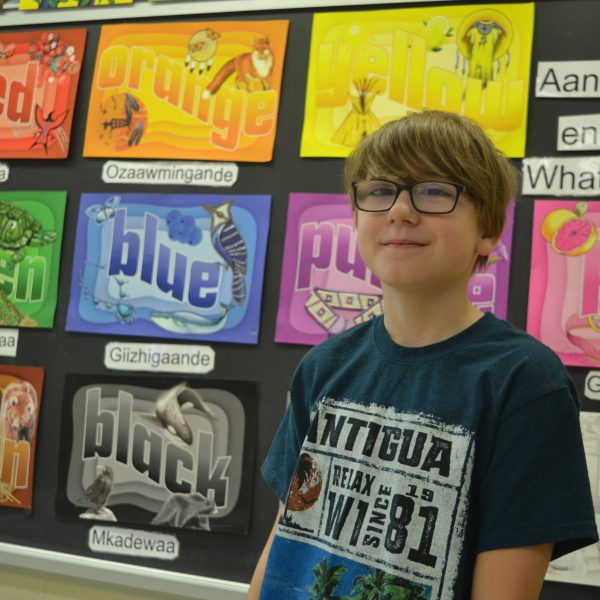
(397, 466)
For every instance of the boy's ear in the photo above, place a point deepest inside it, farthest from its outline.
(487, 244)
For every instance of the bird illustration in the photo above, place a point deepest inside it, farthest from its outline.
(168, 410)
(47, 127)
(98, 492)
(230, 245)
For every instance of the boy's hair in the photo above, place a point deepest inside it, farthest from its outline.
(434, 143)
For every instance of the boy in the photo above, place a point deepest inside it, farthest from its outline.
(434, 452)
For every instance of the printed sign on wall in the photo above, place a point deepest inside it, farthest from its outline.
(368, 68)
(207, 90)
(582, 567)
(31, 226)
(159, 451)
(177, 266)
(326, 287)
(20, 397)
(39, 72)
(38, 4)
(563, 310)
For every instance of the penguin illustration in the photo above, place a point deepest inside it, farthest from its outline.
(230, 246)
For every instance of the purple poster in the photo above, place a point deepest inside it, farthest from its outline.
(170, 266)
(325, 286)
(488, 289)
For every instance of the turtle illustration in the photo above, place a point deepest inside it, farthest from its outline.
(18, 229)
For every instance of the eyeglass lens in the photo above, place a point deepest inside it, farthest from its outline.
(427, 196)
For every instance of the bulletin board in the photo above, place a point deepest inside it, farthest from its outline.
(259, 372)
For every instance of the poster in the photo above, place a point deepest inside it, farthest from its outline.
(368, 68)
(39, 72)
(39, 4)
(31, 227)
(488, 289)
(186, 266)
(194, 90)
(20, 398)
(583, 567)
(159, 451)
(326, 287)
(564, 283)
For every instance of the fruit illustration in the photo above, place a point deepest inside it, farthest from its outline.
(436, 32)
(568, 232)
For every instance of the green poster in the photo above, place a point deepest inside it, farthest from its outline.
(31, 227)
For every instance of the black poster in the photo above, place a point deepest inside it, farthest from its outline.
(165, 452)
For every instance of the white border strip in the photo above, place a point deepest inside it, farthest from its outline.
(11, 15)
(128, 575)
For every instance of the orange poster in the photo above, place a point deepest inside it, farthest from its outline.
(39, 72)
(206, 90)
(20, 396)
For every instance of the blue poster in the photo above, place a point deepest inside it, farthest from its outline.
(187, 266)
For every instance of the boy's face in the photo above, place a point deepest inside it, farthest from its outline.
(415, 251)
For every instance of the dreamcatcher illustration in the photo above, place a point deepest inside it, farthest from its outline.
(483, 41)
(360, 121)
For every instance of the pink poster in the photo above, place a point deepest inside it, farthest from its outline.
(325, 286)
(564, 284)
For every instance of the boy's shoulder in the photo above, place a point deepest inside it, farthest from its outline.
(509, 339)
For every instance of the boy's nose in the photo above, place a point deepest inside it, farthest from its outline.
(402, 210)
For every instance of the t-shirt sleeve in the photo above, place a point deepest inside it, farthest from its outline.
(536, 488)
(280, 463)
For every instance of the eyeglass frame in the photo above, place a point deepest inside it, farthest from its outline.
(460, 188)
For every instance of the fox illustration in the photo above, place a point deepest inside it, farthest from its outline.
(255, 66)
(19, 411)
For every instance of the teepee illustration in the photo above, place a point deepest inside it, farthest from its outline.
(360, 121)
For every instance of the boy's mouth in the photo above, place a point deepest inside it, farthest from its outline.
(403, 243)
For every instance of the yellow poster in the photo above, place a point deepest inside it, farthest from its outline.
(368, 68)
(191, 90)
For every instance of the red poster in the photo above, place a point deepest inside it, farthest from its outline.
(20, 397)
(39, 72)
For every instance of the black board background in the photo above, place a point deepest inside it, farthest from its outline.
(564, 30)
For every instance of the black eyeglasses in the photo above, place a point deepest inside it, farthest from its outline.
(429, 197)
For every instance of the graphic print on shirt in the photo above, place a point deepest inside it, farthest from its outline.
(381, 496)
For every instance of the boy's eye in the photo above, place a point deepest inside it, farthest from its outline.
(378, 188)
(434, 190)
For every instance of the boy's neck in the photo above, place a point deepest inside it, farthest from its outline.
(416, 320)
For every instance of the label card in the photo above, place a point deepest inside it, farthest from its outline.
(568, 79)
(562, 176)
(175, 173)
(9, 340)
(131, 542)
(578, 132)
(164, 358)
